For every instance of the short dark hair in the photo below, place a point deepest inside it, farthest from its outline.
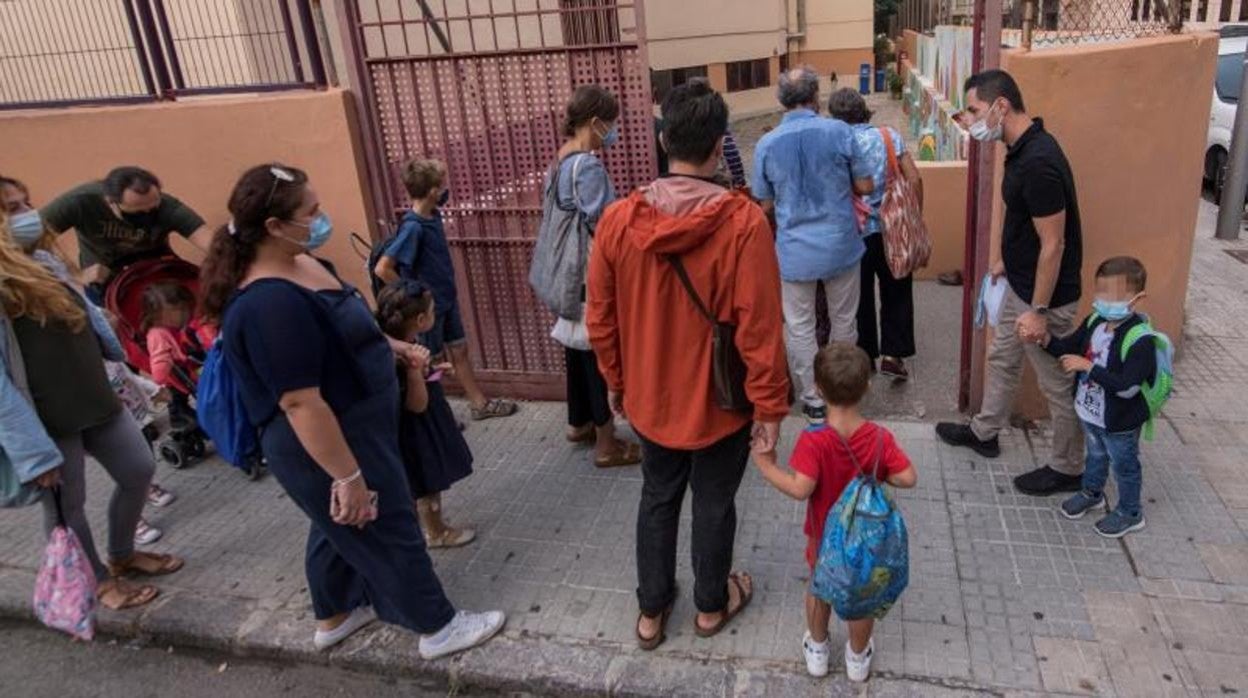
(849, 106)
(991, 84)
(117, 181)
(588, 102)
(843, 373)
(695, 118)
(1129, 268)
(421, 177)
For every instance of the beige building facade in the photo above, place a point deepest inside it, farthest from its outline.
(742, 45)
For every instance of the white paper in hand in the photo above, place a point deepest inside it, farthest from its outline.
(991, 300)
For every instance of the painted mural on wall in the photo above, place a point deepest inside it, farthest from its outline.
(933, 94)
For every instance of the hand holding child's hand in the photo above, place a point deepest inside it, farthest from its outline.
(1075, 364)
(417, 359)
(764, 436)
(764, 459)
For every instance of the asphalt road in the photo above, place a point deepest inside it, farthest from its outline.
(39, 663)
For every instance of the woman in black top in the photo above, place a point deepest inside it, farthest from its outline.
(317, 378)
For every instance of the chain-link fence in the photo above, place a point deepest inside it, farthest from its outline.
(1058, 22)
(1061, 22)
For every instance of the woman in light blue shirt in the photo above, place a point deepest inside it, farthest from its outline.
(892, 339)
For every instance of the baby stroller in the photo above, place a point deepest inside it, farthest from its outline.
(185, 442)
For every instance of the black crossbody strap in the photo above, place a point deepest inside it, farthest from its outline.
(693, 294)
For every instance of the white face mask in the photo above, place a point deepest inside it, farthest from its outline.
(982, 132)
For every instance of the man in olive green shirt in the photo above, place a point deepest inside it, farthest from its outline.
(122, 219)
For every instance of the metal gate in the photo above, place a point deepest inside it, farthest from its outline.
(482, 85)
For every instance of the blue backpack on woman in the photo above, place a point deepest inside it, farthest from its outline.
(864, 557)
(222, 415)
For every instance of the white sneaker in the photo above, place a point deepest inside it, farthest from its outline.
(360, 617)
(146, 534)
(858, 666)
(816, 655)
(466, 630)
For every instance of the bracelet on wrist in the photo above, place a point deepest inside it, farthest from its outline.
(349, 479)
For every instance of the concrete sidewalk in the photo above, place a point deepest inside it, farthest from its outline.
(1006, 596)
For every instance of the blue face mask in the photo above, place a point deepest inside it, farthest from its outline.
(26, 227)
(319, 230)
(444, 197)
(611, 137)
(1113, 311)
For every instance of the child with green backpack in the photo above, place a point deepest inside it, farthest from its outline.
(1124, 377)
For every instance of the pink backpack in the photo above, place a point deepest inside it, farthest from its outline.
(65, 587)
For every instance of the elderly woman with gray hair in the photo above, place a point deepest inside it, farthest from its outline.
(892, 340)
(809, 169)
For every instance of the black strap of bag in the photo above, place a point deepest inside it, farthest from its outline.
(727, 368)
(60, 512)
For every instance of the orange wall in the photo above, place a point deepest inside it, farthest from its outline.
(198, 148)
(944, 211)
(1136, 152)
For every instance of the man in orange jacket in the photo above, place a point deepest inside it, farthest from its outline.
(654, 349)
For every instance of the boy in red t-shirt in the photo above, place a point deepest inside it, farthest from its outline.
(822, 467)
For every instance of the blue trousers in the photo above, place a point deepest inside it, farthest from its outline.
(1121, 451)
(386, 562)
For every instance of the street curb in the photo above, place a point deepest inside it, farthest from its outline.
(513, 662)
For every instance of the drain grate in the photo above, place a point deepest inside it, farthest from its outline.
(1239, 254)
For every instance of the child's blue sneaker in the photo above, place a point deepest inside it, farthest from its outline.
(1081, 503)
(1118, 524)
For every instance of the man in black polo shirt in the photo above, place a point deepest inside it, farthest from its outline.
(1040, 256)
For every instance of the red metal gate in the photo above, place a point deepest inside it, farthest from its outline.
(483, 89)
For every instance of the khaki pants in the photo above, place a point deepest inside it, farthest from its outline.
(1005, 372)
(799, 324)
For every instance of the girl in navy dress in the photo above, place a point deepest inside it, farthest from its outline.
(433, 448)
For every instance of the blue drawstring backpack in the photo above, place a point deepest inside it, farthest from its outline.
(864, 557)
(220, 409)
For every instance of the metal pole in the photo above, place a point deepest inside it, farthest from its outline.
(1231, 207)
(980, 196)
(160, 69)
(1029, 21)
(313, 42)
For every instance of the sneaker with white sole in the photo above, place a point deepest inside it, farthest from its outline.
(146, 534)
(360, 617)
(465, 631)
(858, 666)
(1117, 524)
(158, 496)
(816, 655)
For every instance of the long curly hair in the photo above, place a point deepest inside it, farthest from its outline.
(259, 195)
(29, 290)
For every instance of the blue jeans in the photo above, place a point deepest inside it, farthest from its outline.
(1122, 451)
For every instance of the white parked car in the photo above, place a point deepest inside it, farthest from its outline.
(1227, 80)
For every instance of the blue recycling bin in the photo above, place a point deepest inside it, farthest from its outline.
(879, 79)
(864, 78)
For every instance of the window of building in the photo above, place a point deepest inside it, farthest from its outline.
(749, 75)
(588, 22)
(662, 81)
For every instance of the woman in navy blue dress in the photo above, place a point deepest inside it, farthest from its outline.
(432, 445)
(317, 379)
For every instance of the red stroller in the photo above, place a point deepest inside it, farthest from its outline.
(185, 441)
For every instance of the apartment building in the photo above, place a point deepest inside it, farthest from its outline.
(742, 45)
